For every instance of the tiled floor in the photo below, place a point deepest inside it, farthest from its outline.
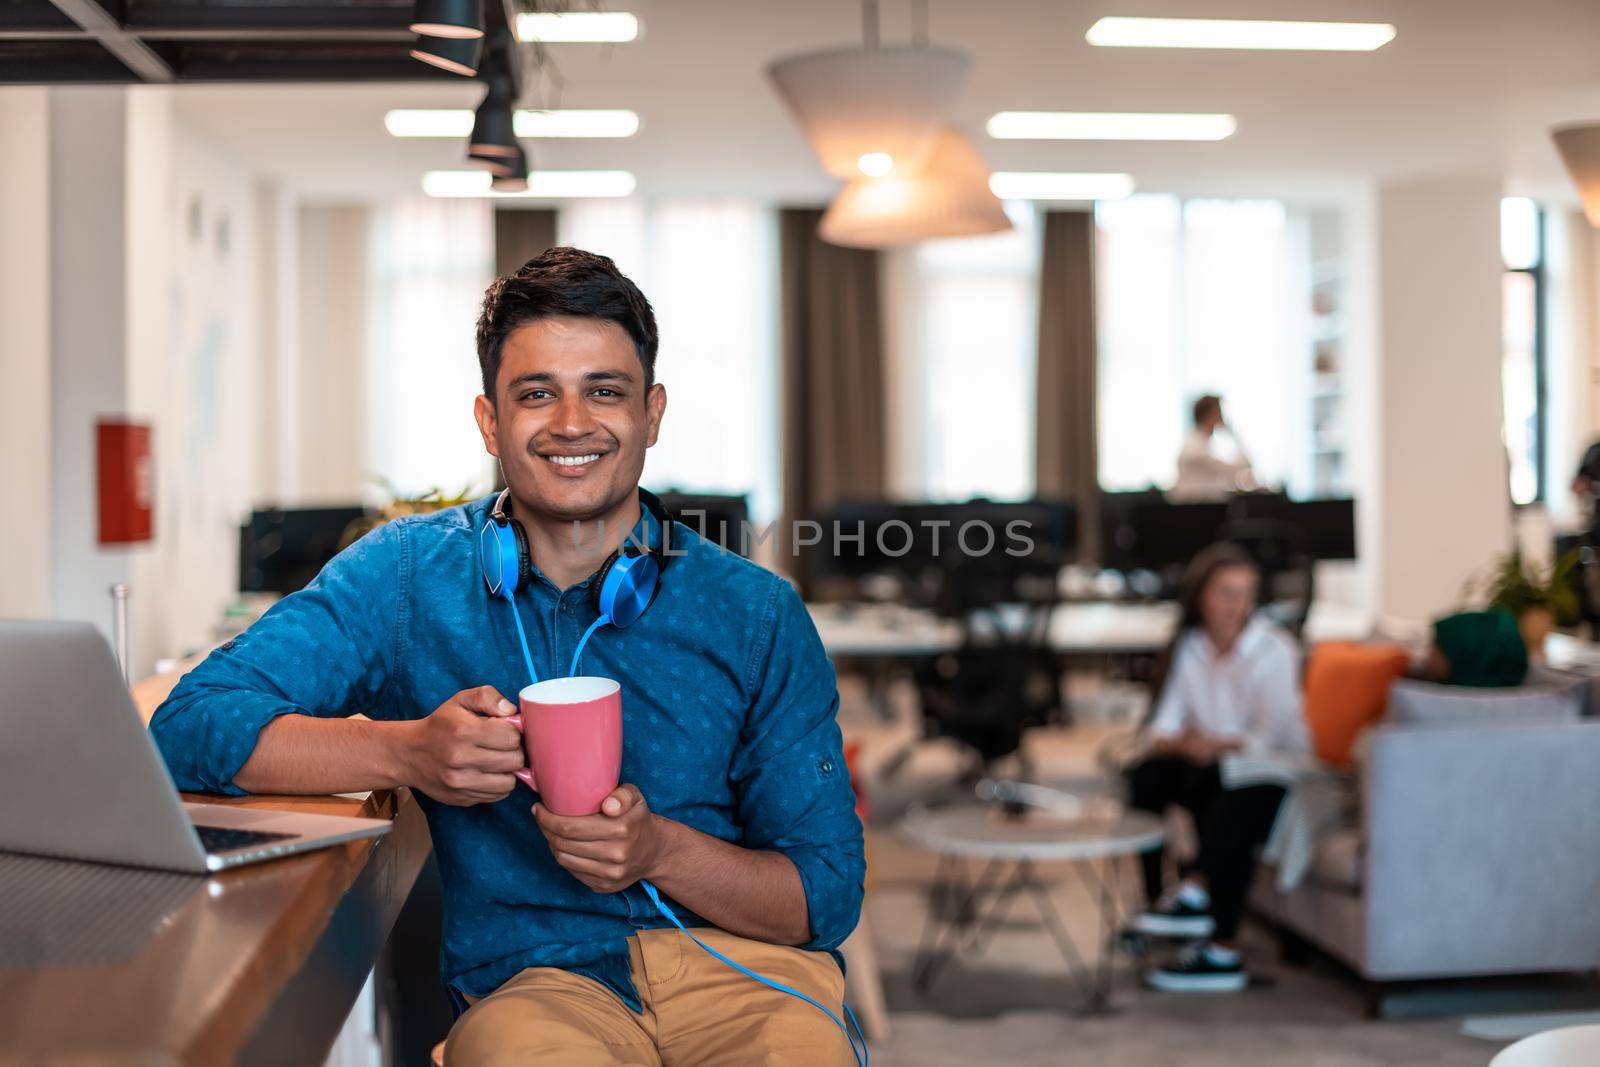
(1014, 1005)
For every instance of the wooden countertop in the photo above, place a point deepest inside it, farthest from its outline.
(253, 965)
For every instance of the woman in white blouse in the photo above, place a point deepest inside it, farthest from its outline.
(1229, 683)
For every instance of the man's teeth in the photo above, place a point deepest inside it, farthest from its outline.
(573, 461)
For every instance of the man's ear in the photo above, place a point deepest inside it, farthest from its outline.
(655, 405)
(488, 424)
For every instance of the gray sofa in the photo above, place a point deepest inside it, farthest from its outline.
(1478, 845)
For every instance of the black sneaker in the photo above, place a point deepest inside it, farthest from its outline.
(1173, 917)
(1197, 970)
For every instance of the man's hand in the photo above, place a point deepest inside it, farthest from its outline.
(465, 751)
(611, 850)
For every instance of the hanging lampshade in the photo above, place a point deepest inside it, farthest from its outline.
(949, 198)
(493, 131)
(458, 55)
(448, 18)
(855, 102)
(511, 176)
(1580, 151)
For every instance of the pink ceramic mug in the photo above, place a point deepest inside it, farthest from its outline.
(572, 732)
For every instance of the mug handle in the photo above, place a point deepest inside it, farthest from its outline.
(523, 774)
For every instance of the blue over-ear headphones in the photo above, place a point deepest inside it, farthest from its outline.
(622, 588)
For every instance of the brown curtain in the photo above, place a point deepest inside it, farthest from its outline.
(1066, 458)
(834, 439)
(519, 235)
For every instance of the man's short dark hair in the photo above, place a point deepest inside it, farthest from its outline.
(1206, 407)
(563, 281)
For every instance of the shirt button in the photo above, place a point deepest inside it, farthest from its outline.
(827, 766)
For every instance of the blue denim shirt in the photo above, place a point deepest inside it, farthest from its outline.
(728, 726)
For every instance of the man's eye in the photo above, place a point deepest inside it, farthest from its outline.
(606, 392)
(536, 394)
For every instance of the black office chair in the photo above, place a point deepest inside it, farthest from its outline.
(1288, 571)
(1003, 678)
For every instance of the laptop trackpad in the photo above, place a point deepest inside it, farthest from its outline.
(231, 817)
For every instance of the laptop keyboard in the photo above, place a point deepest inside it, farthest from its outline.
(216, 839)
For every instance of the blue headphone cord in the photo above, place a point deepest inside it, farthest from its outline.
(577, 653)
(522, 638)
(860, 1052)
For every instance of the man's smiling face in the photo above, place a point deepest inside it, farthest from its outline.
(571, 417)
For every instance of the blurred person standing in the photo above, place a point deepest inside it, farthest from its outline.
(1211, 464)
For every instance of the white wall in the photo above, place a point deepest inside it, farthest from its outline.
(1572, 350)
(151, 290)
(202, 365)
(1441, 465)
(88, 336)
(328, 392)
(25, 352)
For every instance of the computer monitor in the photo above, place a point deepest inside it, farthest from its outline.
(718, 518)
(281, 550)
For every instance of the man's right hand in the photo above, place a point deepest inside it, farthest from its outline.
(465, 752)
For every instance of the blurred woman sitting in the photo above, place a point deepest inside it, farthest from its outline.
(1228, 683)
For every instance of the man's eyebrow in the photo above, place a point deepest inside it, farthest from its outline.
(531, 377)
(608, 376)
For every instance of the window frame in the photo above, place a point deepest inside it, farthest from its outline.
(1541, 371)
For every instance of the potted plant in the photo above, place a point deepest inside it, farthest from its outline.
(1540, 598)
(434, 499)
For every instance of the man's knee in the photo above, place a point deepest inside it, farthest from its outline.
(507, 1030)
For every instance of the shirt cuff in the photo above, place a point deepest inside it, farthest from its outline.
(831, 877)
(228, 738)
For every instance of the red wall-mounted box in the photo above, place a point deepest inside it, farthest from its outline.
(125, 473)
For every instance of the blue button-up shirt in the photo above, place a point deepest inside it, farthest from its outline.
(728, 704)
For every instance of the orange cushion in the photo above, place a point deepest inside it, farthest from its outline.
(1346, 689)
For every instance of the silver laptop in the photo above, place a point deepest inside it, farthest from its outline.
(80, 776)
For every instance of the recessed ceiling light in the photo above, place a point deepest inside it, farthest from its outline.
(542, 184)
(1108, 126)
(1049, 185)
(1115, 32)
(457, 122)
(553, 27)
(875, 164)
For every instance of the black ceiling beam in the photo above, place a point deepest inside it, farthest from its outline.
(40, 15)
(297, 61)
(107, 30)
(78, 62)
(226, 20)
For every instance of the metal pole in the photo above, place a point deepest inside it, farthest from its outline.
(119, 628)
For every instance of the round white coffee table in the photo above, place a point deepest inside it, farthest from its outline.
(1004, 843)
(1570, 1046)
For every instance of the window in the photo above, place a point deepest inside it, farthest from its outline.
(709, 270)
(978, 336)
(1522, 364)
(1195, 297)
(431, 261)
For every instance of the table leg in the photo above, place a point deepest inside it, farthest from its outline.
(942, 940)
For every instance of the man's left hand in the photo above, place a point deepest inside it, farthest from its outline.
(608, 851)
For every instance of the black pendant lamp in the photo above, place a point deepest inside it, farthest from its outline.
(458, 55)
(448, 18)
(512, 175)
(494, 134)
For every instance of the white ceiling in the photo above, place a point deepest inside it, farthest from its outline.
(1466, 86)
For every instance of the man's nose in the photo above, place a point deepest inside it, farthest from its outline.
(573, 418)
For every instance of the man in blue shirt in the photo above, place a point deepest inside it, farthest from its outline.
(736, 803)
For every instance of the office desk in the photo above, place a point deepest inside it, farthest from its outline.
(258, 965)
(889, 631)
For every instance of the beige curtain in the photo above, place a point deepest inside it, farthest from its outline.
(519, 235)
(1066, 463)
